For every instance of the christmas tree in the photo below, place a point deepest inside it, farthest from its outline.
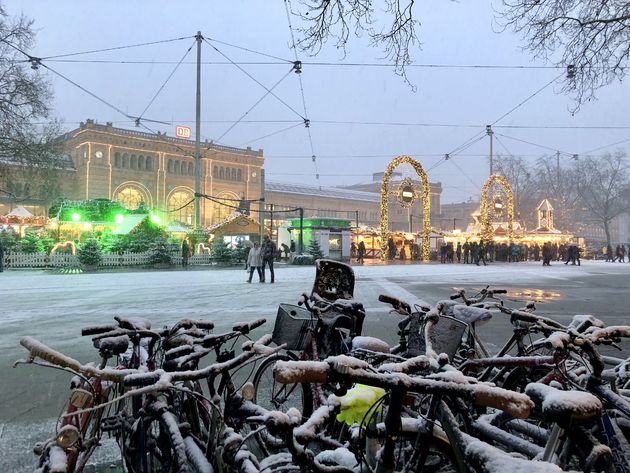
(89, 253)
(220, 251)
(31, 243)
(314, 249)
(159, 252)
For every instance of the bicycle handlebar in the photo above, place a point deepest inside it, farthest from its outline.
(516, 404)
(39, 350)
(400, 306)
(189, 323)
(247, 327)
(97, 329)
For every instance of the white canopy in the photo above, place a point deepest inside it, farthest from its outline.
(20, 212)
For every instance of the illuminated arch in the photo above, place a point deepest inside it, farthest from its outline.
(180, 205)
(426, 200)
(222, 208)
(487, 232)
(131, 193)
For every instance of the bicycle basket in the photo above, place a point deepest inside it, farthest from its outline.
(293, 327)
(445, 336)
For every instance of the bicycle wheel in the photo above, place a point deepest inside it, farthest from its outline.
(156, 444)
(274, 396)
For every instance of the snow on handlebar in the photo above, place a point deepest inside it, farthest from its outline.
(39, 350)
(348, 369)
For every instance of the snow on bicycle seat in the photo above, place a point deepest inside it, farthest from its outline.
(469, 314)
(333, 280)
(114, 345)
(133, 323)
(370, 343)
(564, 406)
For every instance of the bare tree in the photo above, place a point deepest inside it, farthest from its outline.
(337, 20)
(603, 187)
(558, 184)
(24, 102)
(591, 38)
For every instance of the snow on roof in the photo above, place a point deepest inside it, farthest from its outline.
(129, 223)
(331, 192)
(19, 212)
(545, 205)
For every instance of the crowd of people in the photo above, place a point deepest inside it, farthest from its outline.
(481, 252)
(618, 255)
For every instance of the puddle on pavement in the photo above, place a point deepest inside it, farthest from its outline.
(530, 294)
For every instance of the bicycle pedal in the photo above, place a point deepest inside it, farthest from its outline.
(111, 423)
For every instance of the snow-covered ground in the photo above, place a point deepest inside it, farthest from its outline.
(53, 307)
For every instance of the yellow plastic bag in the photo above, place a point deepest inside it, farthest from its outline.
(356, 403)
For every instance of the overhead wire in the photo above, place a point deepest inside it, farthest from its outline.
(606, 146)
(269, 91)
(270, 134)
(116, 48)
(299, 74)
(166, 81)
(253, 78)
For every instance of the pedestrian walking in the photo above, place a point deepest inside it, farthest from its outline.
(1, 257)
(458, 251)
(268, 252)
(481, 253)
(286, 250)
(254, 260)
(360, 252)
(185, 252)
(466, 248)
(547, 254)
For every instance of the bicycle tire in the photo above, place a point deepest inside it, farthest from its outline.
(271, 395)
(164, 448)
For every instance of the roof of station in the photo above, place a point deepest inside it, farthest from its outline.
(330, 192)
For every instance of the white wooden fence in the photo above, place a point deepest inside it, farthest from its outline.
(35, 260)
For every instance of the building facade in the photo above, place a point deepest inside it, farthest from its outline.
(137, 168)
(158, 172)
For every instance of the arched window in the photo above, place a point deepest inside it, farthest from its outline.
(176, 168)
(221, 173)
(117, 160)
(148, 164)
(176, 202)
(215, 172)
(141, 163)
(222, 208)
(191, 169)
(239, 175)
(125, 162)
(129, 197)
(170, 165)
(184, 167)
(234, 174)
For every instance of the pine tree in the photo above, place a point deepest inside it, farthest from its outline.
(160, 252)
(30, 243)
(89, 253)
(315, 250)
(220, 251)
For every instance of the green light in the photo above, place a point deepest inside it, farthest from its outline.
(119, 219)
(76, 217)
(155, 219)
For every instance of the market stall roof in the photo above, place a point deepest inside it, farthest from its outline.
(129, 223)
(236, 224)
(176, 227)
(19, 212)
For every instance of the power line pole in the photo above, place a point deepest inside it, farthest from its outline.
(489, 132)
(261, 205)
(198, 136)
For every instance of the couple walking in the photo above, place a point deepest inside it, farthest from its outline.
(259, 257)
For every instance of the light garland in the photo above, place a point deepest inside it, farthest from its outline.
(426, 192)
(487, 233)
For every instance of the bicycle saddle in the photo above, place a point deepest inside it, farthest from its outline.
(564, 406)
(333, 280)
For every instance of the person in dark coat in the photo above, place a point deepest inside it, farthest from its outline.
(1, 257)
(481, 253)
(185, 252)
(466, 248)
(458, 251)
(268, 252)
(547, 254)
(360, 252)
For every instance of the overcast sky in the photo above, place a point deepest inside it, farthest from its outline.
(382, 116)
